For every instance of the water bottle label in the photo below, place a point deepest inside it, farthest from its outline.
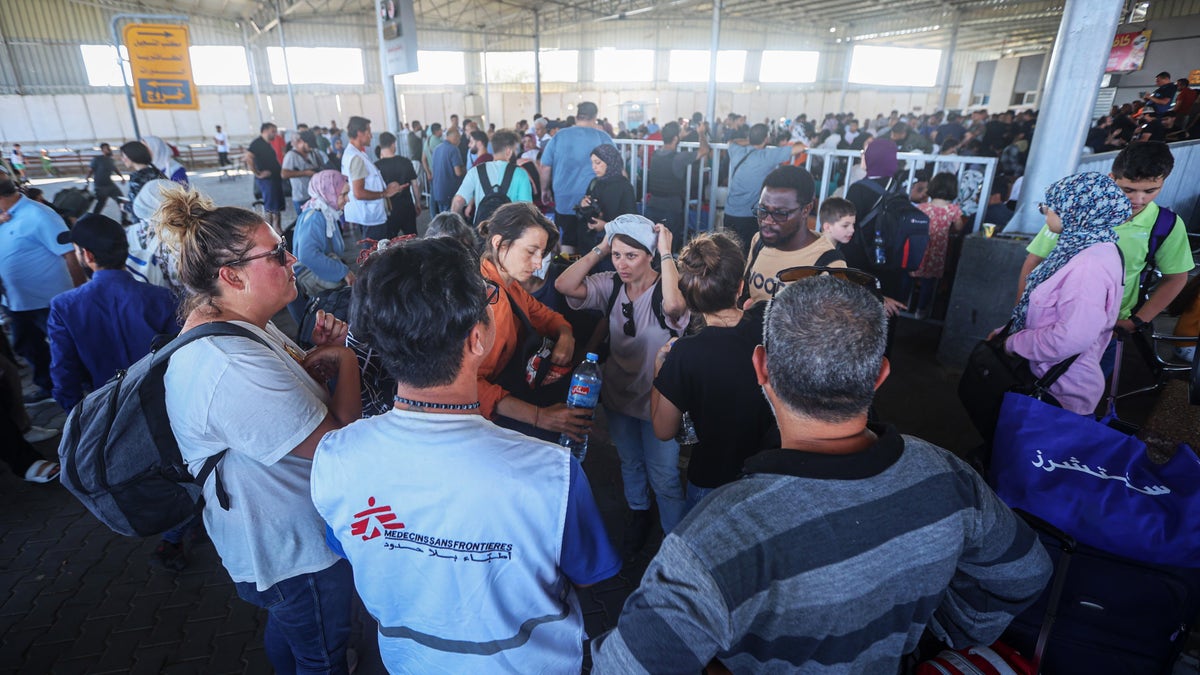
(580, 390)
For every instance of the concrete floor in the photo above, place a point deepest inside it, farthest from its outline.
(76, 598)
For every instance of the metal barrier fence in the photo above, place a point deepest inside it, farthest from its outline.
(975, 174)
(1181, 190)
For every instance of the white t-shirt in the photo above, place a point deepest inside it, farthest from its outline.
(222, 141)
(231, 392)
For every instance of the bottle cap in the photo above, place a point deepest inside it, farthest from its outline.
(591, 356)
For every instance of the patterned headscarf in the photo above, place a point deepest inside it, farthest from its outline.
(611, 157)
(1090, 205)
(325, 187)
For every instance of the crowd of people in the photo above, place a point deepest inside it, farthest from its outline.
(409, 456)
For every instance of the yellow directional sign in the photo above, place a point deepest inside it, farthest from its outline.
(162, 69)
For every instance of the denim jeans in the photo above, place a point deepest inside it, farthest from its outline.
(29, 340)
(644, 457)
(694, 494)
(308, 620)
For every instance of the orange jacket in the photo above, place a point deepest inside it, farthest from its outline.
(545, 320)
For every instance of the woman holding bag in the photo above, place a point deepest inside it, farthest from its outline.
(517, 237)
(1071, 300)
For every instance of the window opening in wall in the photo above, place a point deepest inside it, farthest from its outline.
(436, 68)
(560, 65)
(624, 65)
(100, 65)
(894, 66)
(317, 65)
(219, 65)
(691, 65)
(788, 67)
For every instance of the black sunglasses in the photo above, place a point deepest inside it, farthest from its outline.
(493, 291)
(762, 213)
(864, 279)
(280, 253)
(627, 312)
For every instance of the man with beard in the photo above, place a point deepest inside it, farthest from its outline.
(783, 238)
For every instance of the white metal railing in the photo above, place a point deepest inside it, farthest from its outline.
(1181, 189)
(835, 163)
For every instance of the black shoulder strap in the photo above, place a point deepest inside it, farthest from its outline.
(612, 297)
(524, 318)
(830, 256)
(656, 300)
(757, 248)
(741, 162)
(484, 181)
(1163, 225)
(508, 177)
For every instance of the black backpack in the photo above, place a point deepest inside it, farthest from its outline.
(119, 455)
(904, 227)
(494, 196)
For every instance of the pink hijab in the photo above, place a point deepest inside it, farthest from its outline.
(325, 187)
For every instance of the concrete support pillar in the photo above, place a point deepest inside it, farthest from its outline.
(1076, 66)
(386, 82)
(287, 71)
(710, 110)
(537, 61)
(948, 63)
(253, 67)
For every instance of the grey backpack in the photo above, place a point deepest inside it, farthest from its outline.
(120, 457)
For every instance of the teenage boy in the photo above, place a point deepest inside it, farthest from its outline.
(837, 218)
(1139, 170)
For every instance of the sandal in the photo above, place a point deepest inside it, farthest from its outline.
(42, 471)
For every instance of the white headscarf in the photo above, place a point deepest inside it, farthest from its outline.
(161, 156)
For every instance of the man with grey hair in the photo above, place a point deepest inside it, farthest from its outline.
(835, 552)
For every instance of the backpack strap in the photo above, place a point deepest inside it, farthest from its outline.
(740, 163)
(757, 248)
(612, 297)
(163, 355)
(831, 256)
(484, 181)
(1158, 234)
(656, 300)
(508, 178)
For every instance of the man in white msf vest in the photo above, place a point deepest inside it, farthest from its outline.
(367, 189)
(467, 540)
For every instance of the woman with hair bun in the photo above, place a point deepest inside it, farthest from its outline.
(265, 405)
(516, 239)
(709, 374)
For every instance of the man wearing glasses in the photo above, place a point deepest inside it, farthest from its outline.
(783, 238)
(474, 574)
(835, 551)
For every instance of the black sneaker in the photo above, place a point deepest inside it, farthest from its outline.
(637, 531)
(169, 556)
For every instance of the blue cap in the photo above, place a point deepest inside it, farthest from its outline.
(591, 356)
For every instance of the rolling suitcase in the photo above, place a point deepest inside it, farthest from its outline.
(1103, 614)
(73, 202)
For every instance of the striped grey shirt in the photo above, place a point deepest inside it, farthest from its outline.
(830, 564)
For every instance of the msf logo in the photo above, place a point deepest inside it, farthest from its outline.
(372, 522)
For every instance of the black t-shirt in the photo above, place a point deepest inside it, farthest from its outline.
(710, 376)
(403, 212)
(1166, 91)
(264, 157)
(103, 169)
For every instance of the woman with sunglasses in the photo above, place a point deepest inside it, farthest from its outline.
(517, 237)
(1071, 299)
(265, 405)
(709, 374)
(636, 331)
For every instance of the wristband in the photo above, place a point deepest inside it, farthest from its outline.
(1138, 323)
(671, 256)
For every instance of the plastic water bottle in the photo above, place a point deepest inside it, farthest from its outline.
(880, 251)
(584, 393)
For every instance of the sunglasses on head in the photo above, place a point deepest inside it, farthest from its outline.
(864, 279)
(280, 254)
(627, 312)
